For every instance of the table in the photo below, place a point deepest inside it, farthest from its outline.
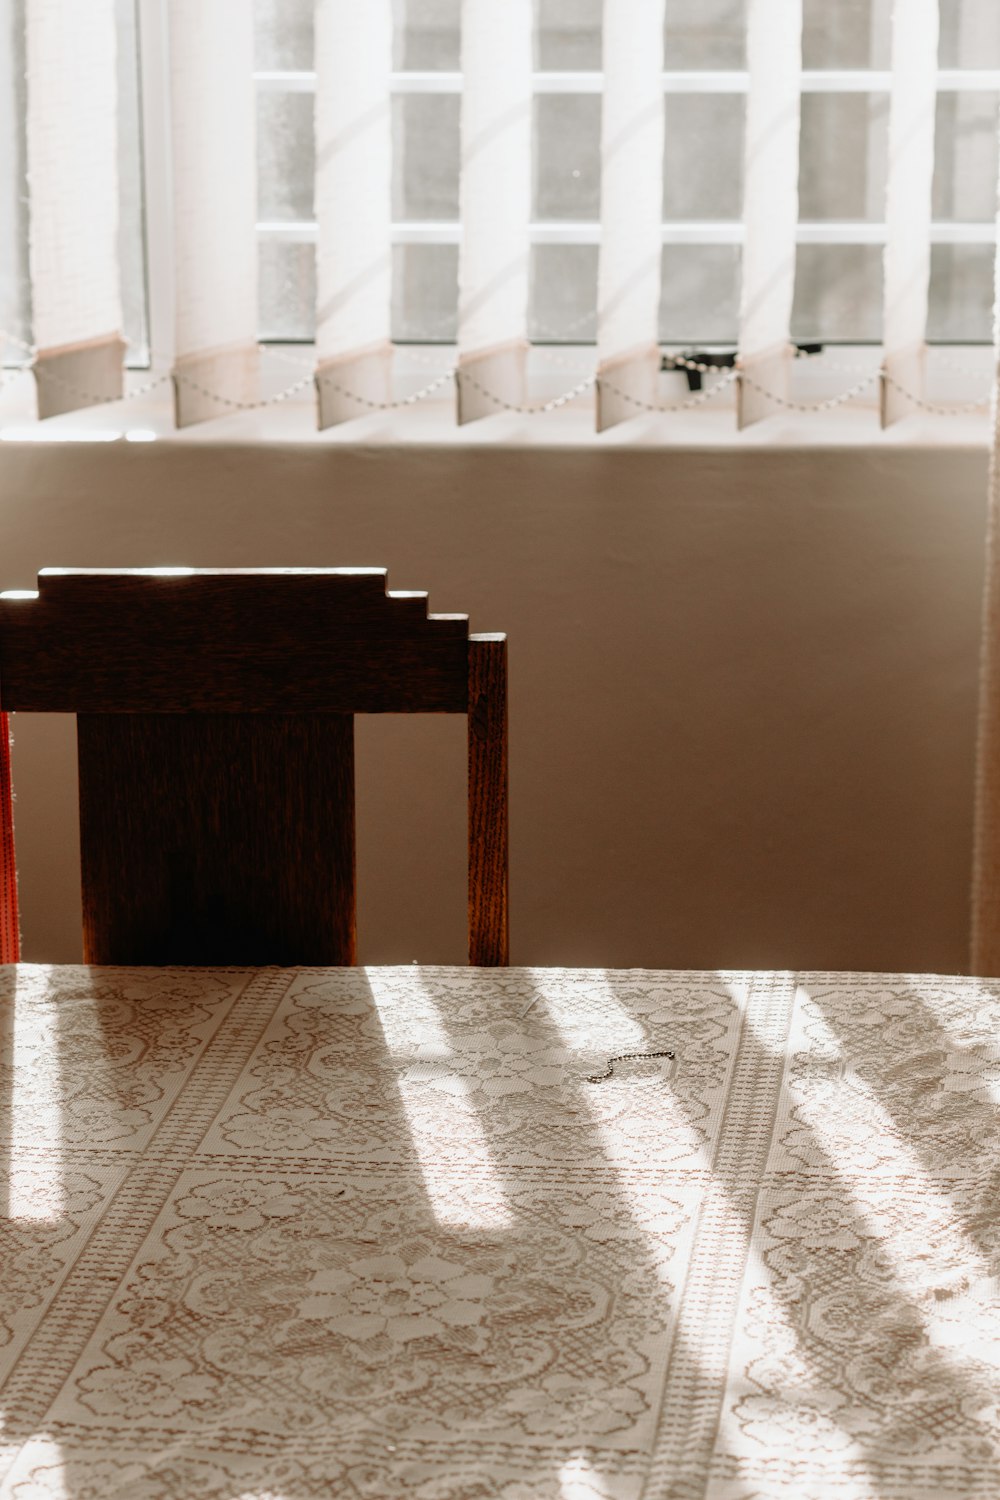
(277, 1234)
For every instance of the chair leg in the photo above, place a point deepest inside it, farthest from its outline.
(489, 941)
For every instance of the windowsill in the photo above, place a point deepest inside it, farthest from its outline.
(957, 375)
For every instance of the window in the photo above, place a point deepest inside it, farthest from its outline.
(842, 182)
(216, 247)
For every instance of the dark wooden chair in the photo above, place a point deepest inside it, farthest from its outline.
(216, 751)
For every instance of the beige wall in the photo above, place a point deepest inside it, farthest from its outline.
(742, 682)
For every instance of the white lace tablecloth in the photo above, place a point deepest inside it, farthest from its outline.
(285, 1234)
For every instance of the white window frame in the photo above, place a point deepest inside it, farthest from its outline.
(677, 232)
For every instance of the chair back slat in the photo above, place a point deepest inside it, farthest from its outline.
(328, 641)
(217, 838)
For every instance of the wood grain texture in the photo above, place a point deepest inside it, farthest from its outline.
(217, 839)
(10, 942)
(489, 941)
(229, 641)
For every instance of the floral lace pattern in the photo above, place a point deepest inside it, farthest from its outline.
(274, 1304)
(526, 1072)
(34, 1252)
(292, 1234)
(870, 1328)
(129, 1040)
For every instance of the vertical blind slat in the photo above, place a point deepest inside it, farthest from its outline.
(72, 135)
(907, 260)
(353, 206)
(494, 205)
(628, 283)
(985, 943)
(770, 204)
(213, 137)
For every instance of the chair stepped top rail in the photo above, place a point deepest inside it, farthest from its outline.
(216, 750)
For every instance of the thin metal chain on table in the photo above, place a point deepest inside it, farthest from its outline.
(624, 1057)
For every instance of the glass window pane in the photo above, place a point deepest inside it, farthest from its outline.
(970, 34)
(705, 34)
(703, 156)
(843, 148)
(563, 298)
(961, 294)
(699, 299)
(965, 157)
(15, 290)
(283, 35)
(286, 290)
(425, 156)
(426, 36)
(425, 294)
(846, 33)
(838, 294)
(286, 156)
(567, 156)
(568, 35)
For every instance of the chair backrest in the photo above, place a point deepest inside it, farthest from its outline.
(216, 750)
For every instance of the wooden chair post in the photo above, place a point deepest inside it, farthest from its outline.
(489, 940)
(10, 944)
